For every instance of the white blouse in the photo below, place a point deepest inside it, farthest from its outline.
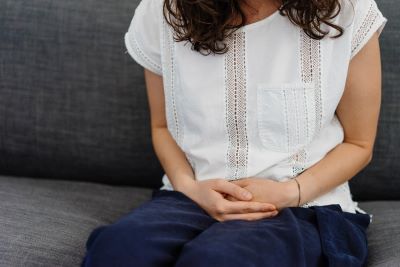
(266, 108)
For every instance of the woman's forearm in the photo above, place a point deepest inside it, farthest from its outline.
(172, 159)
(337, 167)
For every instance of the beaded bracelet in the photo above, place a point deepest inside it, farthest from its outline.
(298, 186)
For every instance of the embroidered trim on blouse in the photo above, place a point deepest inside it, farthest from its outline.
(139, 52)
(235, 106)
(311, 60)
(174, 116)
(298, 116)
(365, 27)
(299, 160)
(173, 120)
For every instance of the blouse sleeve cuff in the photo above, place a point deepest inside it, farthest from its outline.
(137, 54)
(366, 31)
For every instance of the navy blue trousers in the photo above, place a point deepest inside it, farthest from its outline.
(171, 229)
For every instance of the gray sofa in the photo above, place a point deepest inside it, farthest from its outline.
(75, 146)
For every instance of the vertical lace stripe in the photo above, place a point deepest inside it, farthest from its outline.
(171, 107)
(173, 111)
(310, 57)
(235, 107)
(310, 64)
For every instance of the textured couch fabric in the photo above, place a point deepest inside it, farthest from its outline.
(46, 222)
(72, 101)
(74, 111)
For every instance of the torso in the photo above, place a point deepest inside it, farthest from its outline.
(265, 108)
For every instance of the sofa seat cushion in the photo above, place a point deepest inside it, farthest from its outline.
(383, 233)
(46, 222)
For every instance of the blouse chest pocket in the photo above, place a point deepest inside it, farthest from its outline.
(285, 115)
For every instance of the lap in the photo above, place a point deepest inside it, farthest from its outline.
(150, 235)
(167, 207)
(316, 236)
(172, 229)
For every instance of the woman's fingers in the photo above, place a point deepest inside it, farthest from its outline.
(224, 186)
(230, 198)
(222, 209)
(248, 216)
(226, 206)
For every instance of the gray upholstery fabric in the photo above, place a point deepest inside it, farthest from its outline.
(383, 233)
(72, 101)
(46, 222)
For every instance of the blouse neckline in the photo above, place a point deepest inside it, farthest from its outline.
(261, 22)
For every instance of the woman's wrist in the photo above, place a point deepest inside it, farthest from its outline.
(292, 193)
(186, 185)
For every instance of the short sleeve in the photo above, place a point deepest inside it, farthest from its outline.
(367, 20)
(143, 38)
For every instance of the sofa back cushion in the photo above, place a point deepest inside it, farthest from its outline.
(73, 103)
(381, 178)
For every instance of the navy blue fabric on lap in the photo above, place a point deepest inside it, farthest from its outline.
(172, 230)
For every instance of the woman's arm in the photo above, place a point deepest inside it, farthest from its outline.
(171, 157)
(358, 112)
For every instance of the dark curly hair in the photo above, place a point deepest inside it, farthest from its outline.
(206, 23)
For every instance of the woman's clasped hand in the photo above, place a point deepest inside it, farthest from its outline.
(281, 194)
(247, 198)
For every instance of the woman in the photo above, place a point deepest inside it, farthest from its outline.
(261, 111)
